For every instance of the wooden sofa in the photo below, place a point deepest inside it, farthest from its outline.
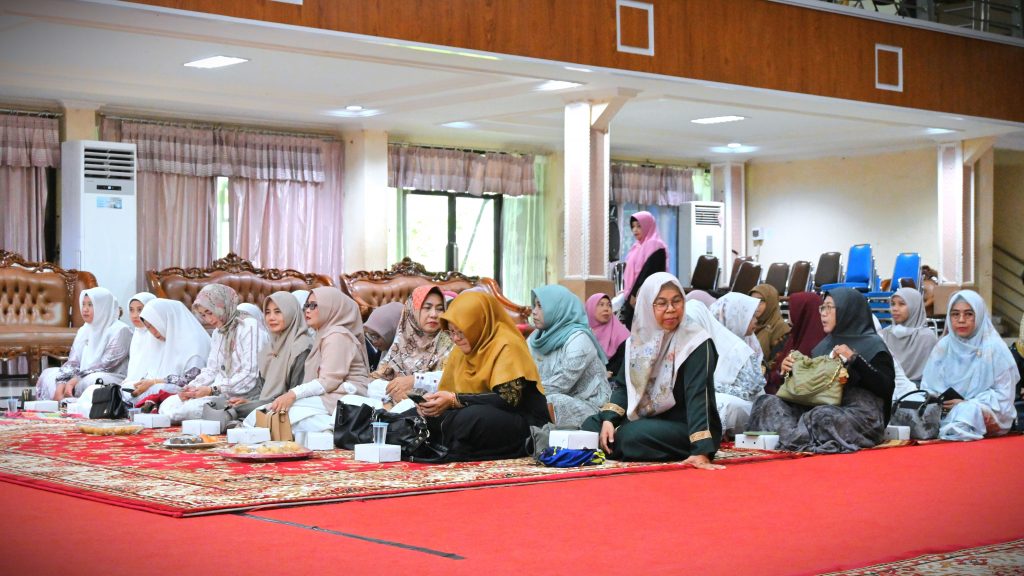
(371, 289)
(252, 284)
(39, 313)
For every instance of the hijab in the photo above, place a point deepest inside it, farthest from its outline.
(807, 330)
(499, 353)
(339, 314)
(912, 341)
(649, 243)
(654, 355)
(564, 316)
(771, 328)
(733, 352)
(104, 326)
(612, 333)
(277, 357)
(223, 301)
(701, 296)
(1019, 344)
(969, 365)
(735, 311)
(384, 321)
(253, 311)
(185, 342)
(142, 340)
(414, 350)
(301, 296)
(854, 326)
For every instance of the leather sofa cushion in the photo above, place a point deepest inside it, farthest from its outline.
(33, 298)
(37, 336)
(250, 287)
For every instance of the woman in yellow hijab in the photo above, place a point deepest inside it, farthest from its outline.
(490, 392)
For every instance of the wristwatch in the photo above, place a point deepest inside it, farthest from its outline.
(214, 390)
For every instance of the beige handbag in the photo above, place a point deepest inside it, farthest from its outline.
(278, 422)
(814, 381)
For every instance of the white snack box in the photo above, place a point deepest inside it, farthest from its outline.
(321, 441)
(758, 442)
(80, 409)
(41, 406)
(573, 439)
(248, 435)
(198, 427)
(378, 452)
(897, 432)
(427, 381)
(153, 420)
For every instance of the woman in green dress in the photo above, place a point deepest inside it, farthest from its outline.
(663, 404)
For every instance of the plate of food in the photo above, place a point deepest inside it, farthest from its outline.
(191, 441)
(109, 427)
(273, 451)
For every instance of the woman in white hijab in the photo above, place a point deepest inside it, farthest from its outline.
(175, 344)
(253, 311)
(974, 362)
(739, 312)
(910, 339)
(99, 351)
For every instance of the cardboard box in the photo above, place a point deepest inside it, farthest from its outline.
(758, 441)
(573, 439)
(248, 435)
(897, 432)
(325, 441)
(153, 420)
(198, 427)
(41, 406)
(378, 452)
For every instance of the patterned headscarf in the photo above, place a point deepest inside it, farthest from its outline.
(414, 350)
(223, 302)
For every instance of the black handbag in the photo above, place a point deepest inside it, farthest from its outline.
(353, 425)
(921, 416)
(107, 402)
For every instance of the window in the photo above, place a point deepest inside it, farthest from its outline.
(223, 217)
(451, 232)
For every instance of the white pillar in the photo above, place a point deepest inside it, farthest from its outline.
(366, 184)
(728, 186)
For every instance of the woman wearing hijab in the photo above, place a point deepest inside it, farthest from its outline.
(663, 406)
(771, 329)
(253, 311)
(1017, 351)
(739, 313)
(336, 364)
(420, 343)
(490, 392)
(648, 255)
(804, 336)
(611, 334)
(910, 339)
(141, 340)
(171, 355)
(379, 330)
(973, 361)
(860, 420)
(231, 369)
(99, 351)
(701, 296)
(569, 357)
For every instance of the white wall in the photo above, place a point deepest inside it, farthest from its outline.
(828, 204)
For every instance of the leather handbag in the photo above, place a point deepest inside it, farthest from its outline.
(353, 425)
(107, 402)
(279, 423)
(923, 417)
(814, 381)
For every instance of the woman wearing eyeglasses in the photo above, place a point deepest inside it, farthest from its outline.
(860, 420)
(973, 361)
(663, 405)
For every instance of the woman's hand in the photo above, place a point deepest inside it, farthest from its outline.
(703, 462)
(844, 352)
(141, 386)
(400, 387)
(607, 437)
(435, 403)
(283, 402)
(632, 301)
(787, 365)
(236, 401)
(948, 404)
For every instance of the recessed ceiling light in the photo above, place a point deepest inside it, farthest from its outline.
(443, 51)
(718, 119)
(353, 107)
(730, 149)
(215, 62)
(734, 145)
(939, 131)
(552, 85)
(459, 124)
(578, 69)
(348, 112)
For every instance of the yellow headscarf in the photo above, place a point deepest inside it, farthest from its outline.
(499, 353)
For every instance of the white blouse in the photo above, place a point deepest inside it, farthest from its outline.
(244, 376)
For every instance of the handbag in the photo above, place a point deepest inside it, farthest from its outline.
(921, 416)
(279, 423)
(353, 425)
(107, 402)
(814, 381)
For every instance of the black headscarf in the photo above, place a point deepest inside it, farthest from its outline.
(854, 326)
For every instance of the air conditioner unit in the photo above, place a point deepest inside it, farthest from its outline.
(98, 213)
(701, 232)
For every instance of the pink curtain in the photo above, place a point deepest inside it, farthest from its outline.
(657, 185)
(28, 145)
(177, 221)
(451, 170)
(269, 156)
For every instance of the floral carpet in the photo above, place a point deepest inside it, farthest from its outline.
(139, 472)
(995, 560)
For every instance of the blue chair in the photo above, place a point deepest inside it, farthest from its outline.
(860, 270)
(906, 272)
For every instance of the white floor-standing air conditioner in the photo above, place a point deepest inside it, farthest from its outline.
(98, 214)
(701, 231)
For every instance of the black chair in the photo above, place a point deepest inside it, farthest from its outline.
(736, 263)
(705, 274)
(777, 275)
(799, 276)
(829, 270)
(748, 276)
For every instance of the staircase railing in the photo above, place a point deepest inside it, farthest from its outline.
(1007, 286)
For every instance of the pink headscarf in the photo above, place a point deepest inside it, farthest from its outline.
(610, 334)
(649, 243)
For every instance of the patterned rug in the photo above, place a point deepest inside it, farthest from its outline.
(996, 560)
(138, 472)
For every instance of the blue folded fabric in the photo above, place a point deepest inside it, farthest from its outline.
(565, 458)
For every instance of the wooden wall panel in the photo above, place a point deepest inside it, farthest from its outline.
(748, 42)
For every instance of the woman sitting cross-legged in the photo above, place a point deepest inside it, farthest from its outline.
(663, 407)
(910, 339)
(490, 391)
(168, 357)
(99, 351)
(570, 359)
(860, 420)
(420, 344)
(610, 332)
(973, 361)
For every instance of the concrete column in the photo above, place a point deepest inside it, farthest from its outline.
(981, 154)
(366, 184)
(728, 185)
(80, 122)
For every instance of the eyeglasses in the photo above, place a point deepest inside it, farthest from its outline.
(825, 308)
(456, 334)
(309, 306)
(662, 305)
(957, 315)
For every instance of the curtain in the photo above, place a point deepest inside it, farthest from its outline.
(177, 221)
(28, 146)
(523, 237)
(420, 168)
(651, 185)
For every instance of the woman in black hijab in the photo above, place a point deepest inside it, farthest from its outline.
(860, 420)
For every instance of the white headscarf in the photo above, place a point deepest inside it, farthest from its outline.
(654, 355)
(911, 342)
(735, 311)
(301, 296)
(254, 312)
(142, 340)
(104, 325)
(733, 353)
(185, 341)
